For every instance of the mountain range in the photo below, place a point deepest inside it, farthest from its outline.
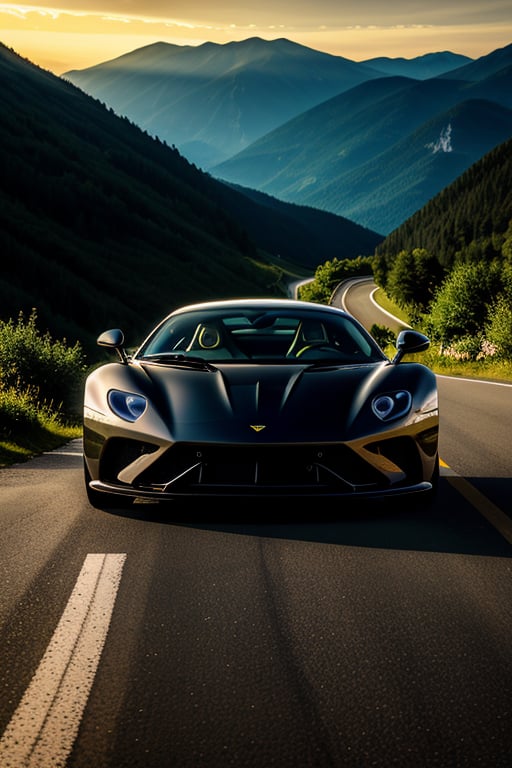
(102, 224)
(211, 101)
(370, 141)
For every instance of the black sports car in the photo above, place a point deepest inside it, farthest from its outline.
(260, 398)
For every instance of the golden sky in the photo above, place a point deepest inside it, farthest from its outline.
(74, 34)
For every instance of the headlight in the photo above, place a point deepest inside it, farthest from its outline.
(126, 405)
(391, 405)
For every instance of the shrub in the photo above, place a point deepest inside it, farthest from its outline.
(384, 336)
(330, 274)
(465, 348)
(499, 327)
(18, 413)
(460, 308)
(49, 370)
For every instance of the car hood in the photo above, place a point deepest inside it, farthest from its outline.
(272, 403)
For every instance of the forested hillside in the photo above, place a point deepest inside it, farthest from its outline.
(465, 220)
(102, 225)
(450, 265)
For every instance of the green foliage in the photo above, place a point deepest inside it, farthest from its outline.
(38, 369)
(39, 384)
(330, 274)
(460, 308)
(413, 278)
(383, 336)
(469, 347)
(26, 430)
(506, 248)
(101, 225)
(450, 264)
(19, 412)
(454, 360)
(498, 329)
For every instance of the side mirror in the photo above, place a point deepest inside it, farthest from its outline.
(113, 339)
(409, 341)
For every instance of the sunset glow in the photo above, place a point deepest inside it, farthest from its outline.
(79, 34)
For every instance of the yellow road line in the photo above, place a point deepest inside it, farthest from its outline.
(485, 506)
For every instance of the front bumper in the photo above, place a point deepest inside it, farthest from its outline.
(379, 468)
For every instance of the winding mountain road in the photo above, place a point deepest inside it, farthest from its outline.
(298, 636)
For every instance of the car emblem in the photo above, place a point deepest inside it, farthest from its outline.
(257, 427)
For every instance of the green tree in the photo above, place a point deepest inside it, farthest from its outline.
(460, 307)
(498, 328)
(414, 279)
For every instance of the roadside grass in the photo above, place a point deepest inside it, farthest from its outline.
(499, 371)
(44, 435)
(385, 302)
(487, 368)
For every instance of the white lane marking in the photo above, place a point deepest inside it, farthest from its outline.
(475, 381)
(64, 453)
(43, 729)
(381, 309)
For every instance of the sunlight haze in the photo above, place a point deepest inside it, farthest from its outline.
(74, 34)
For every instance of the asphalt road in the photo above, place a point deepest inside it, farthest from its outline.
(186, 636)
(475, 416)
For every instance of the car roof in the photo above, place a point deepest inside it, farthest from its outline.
(264, 303)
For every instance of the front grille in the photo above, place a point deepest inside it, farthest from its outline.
(205, 469)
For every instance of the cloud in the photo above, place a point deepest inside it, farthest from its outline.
(77, 33)
(328, 13)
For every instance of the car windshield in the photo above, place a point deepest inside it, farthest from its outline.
(260, 335)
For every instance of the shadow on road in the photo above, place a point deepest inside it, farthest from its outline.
(450, 525)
